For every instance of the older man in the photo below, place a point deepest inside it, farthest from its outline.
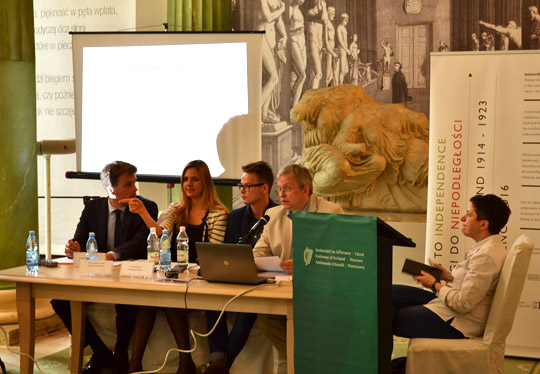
(295, 188)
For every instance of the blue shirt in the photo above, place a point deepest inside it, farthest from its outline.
(240, 221)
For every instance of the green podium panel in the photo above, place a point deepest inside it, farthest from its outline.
(335, 293)
(342, 293)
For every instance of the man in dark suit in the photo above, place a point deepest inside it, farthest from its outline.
(255, 186)
(122, 236)
(399, 86)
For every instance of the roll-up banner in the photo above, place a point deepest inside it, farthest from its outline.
(485, 138)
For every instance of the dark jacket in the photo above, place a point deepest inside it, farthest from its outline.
(132, 236)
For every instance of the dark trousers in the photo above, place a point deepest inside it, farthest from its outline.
(411, 319)
(125, 322)
(224, 345)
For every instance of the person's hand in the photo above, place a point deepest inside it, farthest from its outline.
(109, 256)
(426, 279)
(135, 205)
(445, 272)
(287, 266)
(72, 246)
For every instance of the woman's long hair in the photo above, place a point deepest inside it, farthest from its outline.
(210, 199)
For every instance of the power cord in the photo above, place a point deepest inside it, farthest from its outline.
(194, 333)
(19, 353)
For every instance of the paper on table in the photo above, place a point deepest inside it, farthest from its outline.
(268, 264)
(63, 260)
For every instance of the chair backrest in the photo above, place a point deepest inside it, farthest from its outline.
(508, 292)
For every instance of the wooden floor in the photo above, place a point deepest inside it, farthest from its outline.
(44, 346)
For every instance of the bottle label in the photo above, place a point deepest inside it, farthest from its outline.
(181, 257)
(165, 258)
(153, 256)
(32, 260)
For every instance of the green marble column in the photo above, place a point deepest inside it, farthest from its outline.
(18, 163)
(197, 15)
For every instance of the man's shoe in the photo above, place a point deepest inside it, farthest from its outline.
(217, 366)
(399, 365)
(98, 365)
(120, 363)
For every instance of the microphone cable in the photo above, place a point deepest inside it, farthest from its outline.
(194, 333)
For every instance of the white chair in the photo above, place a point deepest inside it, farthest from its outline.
(483, 355)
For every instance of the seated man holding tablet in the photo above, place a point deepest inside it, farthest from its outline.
(458, 308)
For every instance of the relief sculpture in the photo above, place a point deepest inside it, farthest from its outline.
(364, 155)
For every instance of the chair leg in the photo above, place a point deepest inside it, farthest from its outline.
(2, 366)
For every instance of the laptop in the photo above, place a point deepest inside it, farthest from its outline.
(228, 263)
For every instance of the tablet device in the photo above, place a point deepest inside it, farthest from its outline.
(415, 268)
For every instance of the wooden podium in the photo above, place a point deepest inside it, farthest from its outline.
(387, 238)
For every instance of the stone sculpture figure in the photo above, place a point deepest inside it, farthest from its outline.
(317, 17)
(297, 43)
(268, 18)
(364, 155)
(331, 57)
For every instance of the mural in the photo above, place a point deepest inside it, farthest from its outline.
(382, 46)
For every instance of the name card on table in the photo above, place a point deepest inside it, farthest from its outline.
(78, 256)
(96, 267)
(142, 269)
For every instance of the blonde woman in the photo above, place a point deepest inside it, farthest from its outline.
(205, 219)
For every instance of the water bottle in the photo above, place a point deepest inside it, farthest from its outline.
(153, 246)
(165, 251)
(91, 247)
(182, 246)
(32, 253)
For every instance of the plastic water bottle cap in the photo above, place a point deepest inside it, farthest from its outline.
(165, 231)
(182, 228)
(152, 229)
(32, 232)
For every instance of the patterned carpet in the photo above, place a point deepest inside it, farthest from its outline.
(57, 362)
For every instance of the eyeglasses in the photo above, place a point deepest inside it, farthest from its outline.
(248, 186)
(284, 190)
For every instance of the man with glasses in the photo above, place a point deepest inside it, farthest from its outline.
(255, 186)
(295, 188)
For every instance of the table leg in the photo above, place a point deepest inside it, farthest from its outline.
(290, 339)
(78, 318)
(26, 311)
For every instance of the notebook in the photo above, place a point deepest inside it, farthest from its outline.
(228, 263)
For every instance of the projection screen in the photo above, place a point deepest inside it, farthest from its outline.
(161, 99)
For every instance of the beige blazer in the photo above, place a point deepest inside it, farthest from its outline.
(276, 239)
(468, 298)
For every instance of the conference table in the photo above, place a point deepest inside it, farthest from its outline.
(66, 283)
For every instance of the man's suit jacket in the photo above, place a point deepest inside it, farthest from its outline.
(133, 234)
(276, 239)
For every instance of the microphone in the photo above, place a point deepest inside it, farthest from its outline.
(255, 230)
